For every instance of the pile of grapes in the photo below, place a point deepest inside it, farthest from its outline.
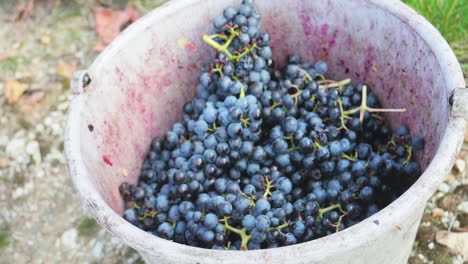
(266, 158)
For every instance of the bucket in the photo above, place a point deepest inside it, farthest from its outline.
(136, 88)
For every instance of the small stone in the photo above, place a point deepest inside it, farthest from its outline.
(463, 207)
(98, 250)
(450, 202)
(16, 147)
(69, 237)
(460, 165)
(454, 185)
(456, 242)
(4, 163)
(445, 188)
(17, 193)
(437, 212)
(431, 245)
(32, 148)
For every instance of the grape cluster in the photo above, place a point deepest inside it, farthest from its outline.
(266, 158)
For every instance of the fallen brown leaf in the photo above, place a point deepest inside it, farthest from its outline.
(109, 22)
(14, 90)
(66, 69)
(457, 242)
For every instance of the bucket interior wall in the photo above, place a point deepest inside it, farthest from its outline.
(139, 85)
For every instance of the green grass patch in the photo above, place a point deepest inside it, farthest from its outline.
(10, 64)
(87, 227)
(5, 235)
(448, 16)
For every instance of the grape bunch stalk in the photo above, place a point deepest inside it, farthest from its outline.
(265, 158)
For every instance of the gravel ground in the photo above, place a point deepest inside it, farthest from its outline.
(42, 219)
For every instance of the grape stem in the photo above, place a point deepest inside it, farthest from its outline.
(209, 39)
(337, 225)
(329, 208)
(364, 108)
(222, 48)
(134, 205)
(245, 238)
(217, 68)
(213, 130)
(151, 214)
(245, 122)
(307, 77)
(275, 105)
(251, 198)
(409, 150)
(350, 158)
(297, 94)
(279, 228)
(228, 245)
(242, 93)
(334, 84)
(342, 116)
(268, 185)
(317, 145)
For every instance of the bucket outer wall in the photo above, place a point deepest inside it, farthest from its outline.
(140, 82)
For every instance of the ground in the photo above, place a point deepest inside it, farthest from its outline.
(42, 219)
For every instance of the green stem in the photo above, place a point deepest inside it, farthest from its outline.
(292, 149)
(339, 84)
(320, 76)
(245, 238)
(315, 107)
(242, 93)
(134, 205)
(275, 105)
(251, 198)
(337, 225)
(364, 108)
(268, 186)
(329, 208)
(307, 77)
(343, 116)
(317, 145)
(245, 122)
(346, 156)
(409, 150)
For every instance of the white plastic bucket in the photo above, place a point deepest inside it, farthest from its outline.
(141, 81)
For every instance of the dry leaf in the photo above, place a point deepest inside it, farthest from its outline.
(109, 22)
(65, 69)
(14, 90)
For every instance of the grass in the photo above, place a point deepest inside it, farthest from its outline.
(87, 227)
(448, 16)
(5, 234)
